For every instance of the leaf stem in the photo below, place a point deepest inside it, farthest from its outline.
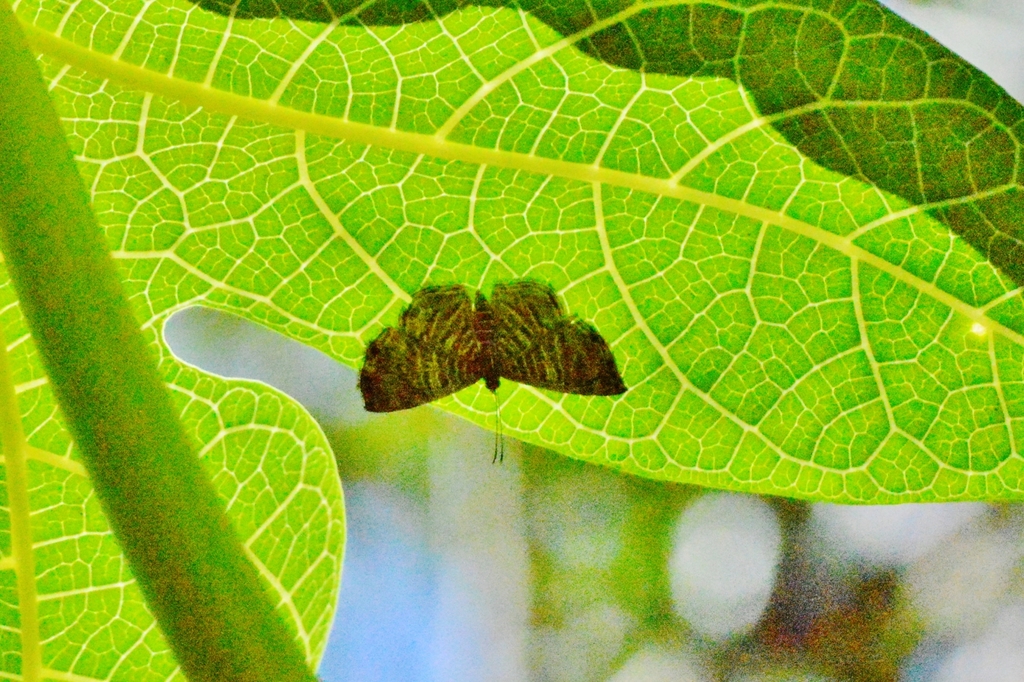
(13, 439)
(207, 597)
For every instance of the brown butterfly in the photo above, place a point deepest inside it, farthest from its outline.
(444, 343)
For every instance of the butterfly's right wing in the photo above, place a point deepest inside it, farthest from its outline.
(433, 352)
(536, 343)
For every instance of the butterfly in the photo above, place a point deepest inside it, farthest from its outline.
(445, 342)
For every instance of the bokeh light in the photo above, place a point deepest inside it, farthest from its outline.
(726, 551)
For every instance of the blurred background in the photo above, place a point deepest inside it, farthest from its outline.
(546, 569)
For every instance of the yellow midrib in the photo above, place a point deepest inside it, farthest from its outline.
(222, 102)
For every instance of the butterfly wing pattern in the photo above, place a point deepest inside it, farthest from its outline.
(432, 353)
(442, 345)
(536, 343)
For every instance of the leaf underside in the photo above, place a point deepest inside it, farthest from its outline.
(797, 225)
(783, 327)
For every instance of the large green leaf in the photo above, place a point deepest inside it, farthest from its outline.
(797, 223)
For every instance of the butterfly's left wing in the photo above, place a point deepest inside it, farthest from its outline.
(536, 343)
(433, 352)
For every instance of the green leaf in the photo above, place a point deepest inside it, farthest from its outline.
(71, 602)
(796, 223)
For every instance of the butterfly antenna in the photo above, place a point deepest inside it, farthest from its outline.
(497, 431)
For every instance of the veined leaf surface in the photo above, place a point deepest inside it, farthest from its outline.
(796, 223)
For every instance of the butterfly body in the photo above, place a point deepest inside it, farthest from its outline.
(444, 343)
(483, 325)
